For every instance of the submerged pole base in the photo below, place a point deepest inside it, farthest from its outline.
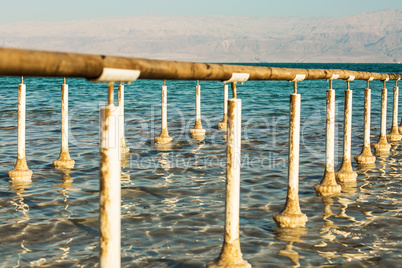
(230, 256)
(222, 126)
(163, 138)
(366, 157)
(394, 134)
(345, 173)
(382, 147)
(197, 133)
(290, 220)
(64, 161)
(328, 185)
(21, 174)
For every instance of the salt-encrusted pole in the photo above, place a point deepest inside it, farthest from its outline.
(366, 157)
(110, 170)
(197, 131)
(328, 185)
(223, 124)
(110, 194)
(124, 147)
(346, 173)
(21, 174)
(291, 216)
(382, 146)
(164, 137)
(64, 160)
(231, 255)
(394, 135)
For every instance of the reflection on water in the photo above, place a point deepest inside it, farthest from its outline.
(292, 236)
(18, 202)
(173, 197)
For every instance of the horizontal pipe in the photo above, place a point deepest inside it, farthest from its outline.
(22, 62)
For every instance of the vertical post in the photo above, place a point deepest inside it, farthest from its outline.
(110, 194)
(291, 216)
(124, 147)
(382, 147)
(64, 160)
(346, 173)
(328, 185)
(394, 134)
(21, 174)
(366, 157)
(231, 255)
(197, 131)
(223, 125)
(164, 137)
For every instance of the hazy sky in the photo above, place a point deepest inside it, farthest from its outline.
(56, 10)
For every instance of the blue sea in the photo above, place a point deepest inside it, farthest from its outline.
(173, 199)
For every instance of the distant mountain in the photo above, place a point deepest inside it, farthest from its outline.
(365, 37)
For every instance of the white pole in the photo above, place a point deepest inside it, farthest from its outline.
(346, 173)
(231, 255)
(223, 125)
(366, 157)
(382, 147)
(328, 185)
(124, 147)
(197, 131)
(394, 134)
(110, 194)
(64, 160)
(21, 174)
(164, 137)
(291, 216)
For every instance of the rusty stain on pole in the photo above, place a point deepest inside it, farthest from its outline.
(124, 148)
(366, 158)
(291, 216)
(21, 174)
(64, 160)
(223, 125)
(197, 132)
(346, 174)
(231, 255)
(164, 137)
(328, 185)
(382, 147)
(110, 193)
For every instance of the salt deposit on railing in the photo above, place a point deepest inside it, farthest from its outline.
(328, 185)
(197, 132)
(21, 173)
(64, 160)
(164, 137)
(346, 174)
(394, 135)
(14, 62)
(382, 147)
(223, 124)
(366, 158)
(124, 147)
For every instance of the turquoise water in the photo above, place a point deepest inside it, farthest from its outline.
(173, 200)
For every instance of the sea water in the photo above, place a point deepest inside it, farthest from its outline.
(172, 209)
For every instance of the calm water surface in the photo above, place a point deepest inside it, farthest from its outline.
(173, 198)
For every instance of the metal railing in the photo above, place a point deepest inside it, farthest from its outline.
(19, 62)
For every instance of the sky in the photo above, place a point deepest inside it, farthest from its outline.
(55, 10)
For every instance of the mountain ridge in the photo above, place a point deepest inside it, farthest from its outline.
(364, 37)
